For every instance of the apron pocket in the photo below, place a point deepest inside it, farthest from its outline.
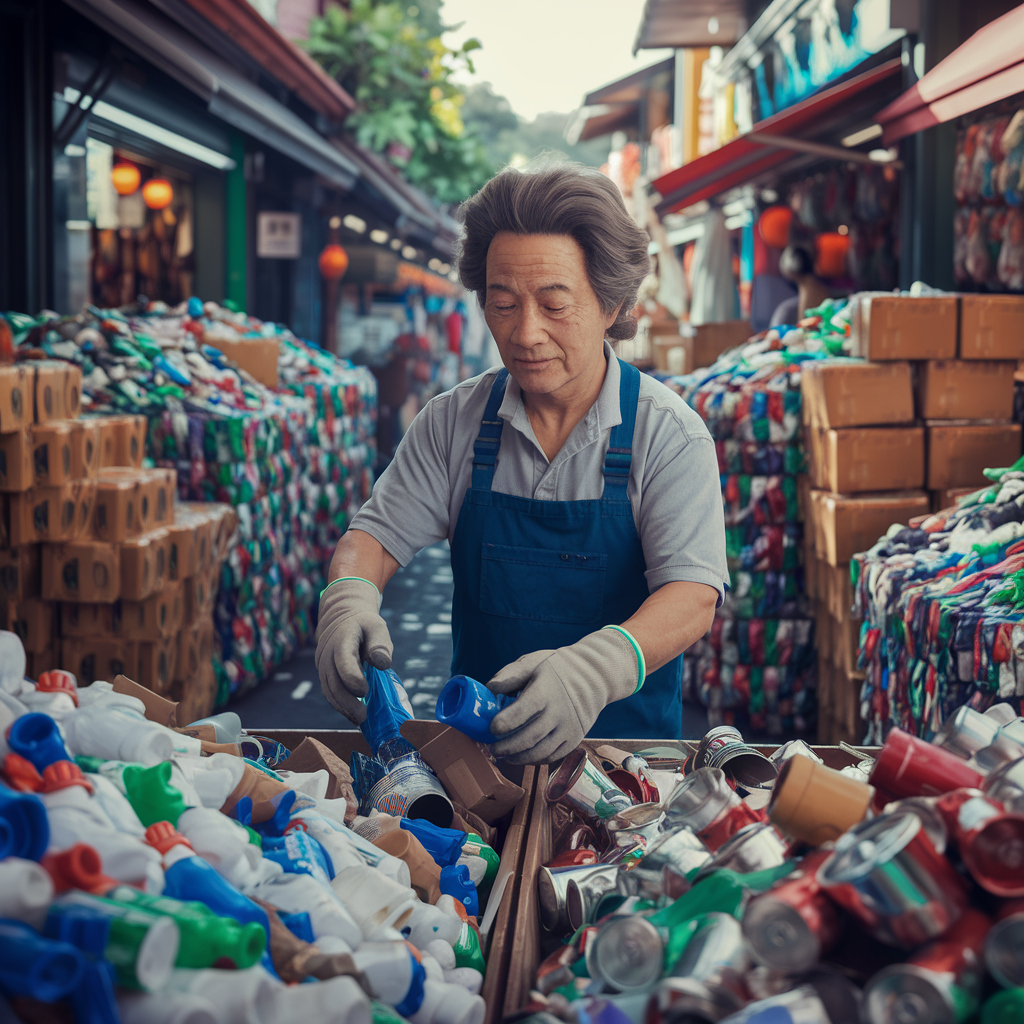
(547, 586)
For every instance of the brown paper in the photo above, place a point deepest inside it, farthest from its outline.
(311, 756)
(261, 789)
(157, 708)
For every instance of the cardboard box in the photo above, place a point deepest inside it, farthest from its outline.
(19, 573)
(886, 327)
(200, 595)
(191, 539)
(17, 472)
(991, 327)
(965, 389)
(186, 662)
(58, 391)
(161, 488)
(144, 565)
(122, 440)
(85, 449)
(841, 393)
(99, 658)
(706, 342)
(959, 452)
(225, 523)
(846, 524)
(38, 662)
(155, 618)
(89, 621)
(33, 622)
(17, 394)
(51, 454)
(52, 513)
(118, 501)
(858, 459)
(257, 356)
(87, 570)
(156, 664)
(195, 694)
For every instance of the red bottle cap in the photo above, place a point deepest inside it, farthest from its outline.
(22, 774)
(63, 774)
(58, 681)
(162, 836)
(78, 867)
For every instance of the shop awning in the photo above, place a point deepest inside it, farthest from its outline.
(987, 68)
(619, 105)
(777, 140)
(228, 94)
(678, 23)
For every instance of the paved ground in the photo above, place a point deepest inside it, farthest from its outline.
(418, 610)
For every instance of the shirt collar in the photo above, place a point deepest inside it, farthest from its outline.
(604, 414)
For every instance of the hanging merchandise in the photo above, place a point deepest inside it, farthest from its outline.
(943, 606)
(295, 462)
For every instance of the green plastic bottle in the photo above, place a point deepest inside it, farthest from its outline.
(1006, 1007)
(151, 794)
(467, 950)
(206, 938)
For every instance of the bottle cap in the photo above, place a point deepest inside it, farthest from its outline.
(22, 775)
(58, 681)
(62, 775)
(78, 867)
(162, 836)
(37, 738)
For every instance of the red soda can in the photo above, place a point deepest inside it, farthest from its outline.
(908, 766)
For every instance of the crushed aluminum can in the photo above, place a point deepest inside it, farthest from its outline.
(794, 923)
(791, 749)
(579, 783)
(1006, 784)
(1004, 947)
(908, 766)
(410, 789)
(939, 984)
(585, 890)
(706, 803)
(723, 747)
(887, 873)
(989, 839)
(642, 823)
(626, 954)
(754, 848)
(965, 732)
(552, 893)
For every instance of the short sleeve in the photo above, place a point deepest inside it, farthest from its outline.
(408, 508)
(682, 523)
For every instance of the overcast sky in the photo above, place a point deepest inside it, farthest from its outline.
(545, 54)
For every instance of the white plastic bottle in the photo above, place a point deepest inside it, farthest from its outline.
(337, 1000)
(224, 843)
(238, 997)
(165, 1008)
(115, 734)
(12, 662)
(212, 778)
(448, 1004)
(295, 894)
(26, 891)
(374, 900)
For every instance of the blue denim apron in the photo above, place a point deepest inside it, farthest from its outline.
(531, 575)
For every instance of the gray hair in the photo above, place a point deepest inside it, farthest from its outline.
(568, 199)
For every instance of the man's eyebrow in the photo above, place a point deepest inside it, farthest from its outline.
(499, 288)
(555, 288)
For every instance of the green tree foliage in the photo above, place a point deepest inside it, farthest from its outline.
(507, 138)
(386, 56)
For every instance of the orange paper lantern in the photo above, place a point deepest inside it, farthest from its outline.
(774, 226)
(157, 193)
(125, 177)
(333, 262)
(832, 248)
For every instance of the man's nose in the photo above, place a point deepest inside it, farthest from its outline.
(530, 330)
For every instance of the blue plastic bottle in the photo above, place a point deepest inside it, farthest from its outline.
(24, 827)
(300, 854)
(443, 844)
(36, 967)
(469, 706)
(36, 737)
(188, 877)
(455, 882)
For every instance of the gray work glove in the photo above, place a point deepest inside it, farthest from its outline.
(563, 693)
(350, 632)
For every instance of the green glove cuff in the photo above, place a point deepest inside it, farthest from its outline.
(640, 663)
(343, 579)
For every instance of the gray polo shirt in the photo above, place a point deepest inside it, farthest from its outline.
(674, 486)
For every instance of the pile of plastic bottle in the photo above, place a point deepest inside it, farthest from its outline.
(943, 606)
(756, 667)
(295, 463)
(730, 885)
(147, 880)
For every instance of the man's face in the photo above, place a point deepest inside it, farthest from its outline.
(543, 314)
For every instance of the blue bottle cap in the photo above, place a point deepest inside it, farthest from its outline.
(36, 737)
(455, 882)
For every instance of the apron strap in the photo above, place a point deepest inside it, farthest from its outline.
(485, 447)
(619, 457)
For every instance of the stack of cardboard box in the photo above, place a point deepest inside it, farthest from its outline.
(101, 572)
(892, 438)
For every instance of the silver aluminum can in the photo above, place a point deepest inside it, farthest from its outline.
(1006, 785)
(699, 799)
(909, 994)
(627, 954)
(754, 848)
(723, 747)
(791, 749)
(1004, 951)
(552, 889)
(888, 874)
(966, 731)
(582, 786)
(585, 891)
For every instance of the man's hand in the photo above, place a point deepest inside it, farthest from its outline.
(563, 693)
(350, 632)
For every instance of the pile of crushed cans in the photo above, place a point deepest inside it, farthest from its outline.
(740, 886)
